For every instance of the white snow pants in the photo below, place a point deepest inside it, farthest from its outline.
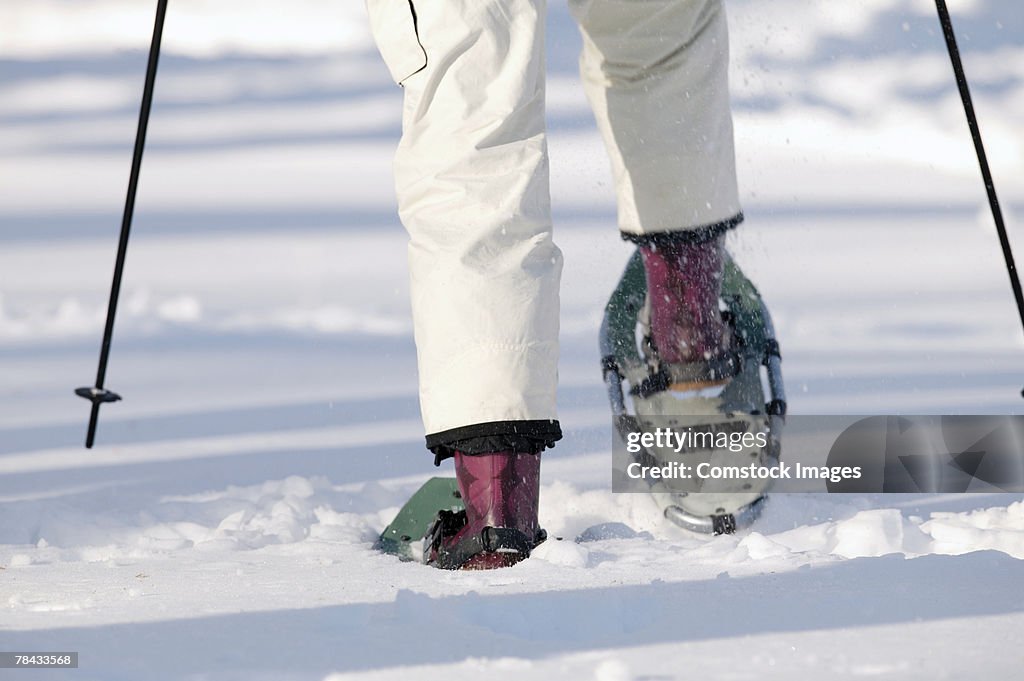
(471, 175)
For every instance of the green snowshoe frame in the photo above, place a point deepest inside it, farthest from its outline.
(404, 536)
(755, 351)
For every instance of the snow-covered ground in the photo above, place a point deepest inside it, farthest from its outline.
(222, 528)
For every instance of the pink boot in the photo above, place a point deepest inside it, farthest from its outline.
(684, 280)
(499, 526)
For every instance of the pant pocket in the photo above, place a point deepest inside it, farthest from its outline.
(393, 23)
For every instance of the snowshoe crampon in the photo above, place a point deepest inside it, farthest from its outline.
(668, 398)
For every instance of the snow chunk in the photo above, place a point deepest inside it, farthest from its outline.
(875, 533)
(564, 553)
(760, 547)
(1000, 529)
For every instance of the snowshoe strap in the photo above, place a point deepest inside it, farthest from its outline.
(711, 371)
(489, 540)
(447, 524)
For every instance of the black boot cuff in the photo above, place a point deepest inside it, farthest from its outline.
(695, 235)
(521, 437)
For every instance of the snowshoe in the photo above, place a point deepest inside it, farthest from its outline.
(705, 392)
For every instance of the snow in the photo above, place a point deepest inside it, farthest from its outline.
(223, 527)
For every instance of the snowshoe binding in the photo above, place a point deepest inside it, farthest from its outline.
(484, 518)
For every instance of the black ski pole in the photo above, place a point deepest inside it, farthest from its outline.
(98, 394)
(979, 149)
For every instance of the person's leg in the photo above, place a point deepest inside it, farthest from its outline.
(472, 185)
(656, 74)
